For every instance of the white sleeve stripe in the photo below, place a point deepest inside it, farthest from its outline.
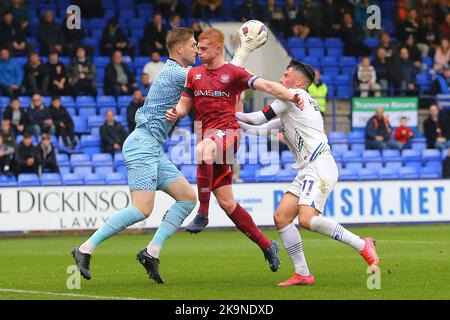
(251, 81)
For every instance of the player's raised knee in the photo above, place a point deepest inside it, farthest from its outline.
(280, 220)
(206, 150)
(228, 205)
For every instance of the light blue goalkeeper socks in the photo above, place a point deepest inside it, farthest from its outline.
(116, 223)
(172, 220)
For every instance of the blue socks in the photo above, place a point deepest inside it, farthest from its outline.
(116, 223)
(171, 222)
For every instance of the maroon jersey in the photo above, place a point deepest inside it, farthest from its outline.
(214, 93)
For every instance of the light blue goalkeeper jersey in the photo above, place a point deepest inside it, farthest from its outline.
(164, 94)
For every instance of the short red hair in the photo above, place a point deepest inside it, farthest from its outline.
(214, 35)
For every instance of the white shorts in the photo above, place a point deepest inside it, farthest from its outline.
(315, 181)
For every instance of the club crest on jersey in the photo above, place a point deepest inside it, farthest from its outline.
(198, 76)
(225, 78)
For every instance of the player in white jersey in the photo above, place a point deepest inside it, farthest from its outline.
(305, 197)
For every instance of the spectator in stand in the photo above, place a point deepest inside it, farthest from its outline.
(409, 26)
(319, 90)
(414, 52)
(49, 34)
(275, 16)
(378, 132)
(331, 19)
(26, 158)
(311, 15)
(291, 12)
(114, 39)
(72, 37)
(36, 75)
(7, 133)
(16, 115)
(382, 65)
(298, 30)
(207, 9)
(63, 122)
(175, 22)
(408, 73)
(352, 35)
(360, 12)
(367, 78)
(446, 166)
(11, 35)
(81, 74)
(436, 129)
(170, 7)
(39, 119)
(119, 80)
(144, 85)
(250, 10)
(154, 38)
(195, 26)
(390, 47)
(442, 55)
(153, 68)
(6, 157)
(46, 155)
(112, 134)
(11, 75)
(442, 83)
(135, 104)
(18, 9)
(429, 34)
(58, 83)
(403, 134)
(426, 8)
(444, 28)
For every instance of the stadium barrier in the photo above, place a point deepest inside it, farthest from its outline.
(87, 207)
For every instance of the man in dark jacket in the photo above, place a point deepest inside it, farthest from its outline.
(36, 75)
(114, 39)
(352, 34)
(72, 36)
(16, 115)
(112, 134)
(63, 122)
(9, 138)
(39, 117)
(26, 158)
(119, 80)
(446, 166)
(57, 76)
(46, 155)
(135, 104)
(436, 129)
(81, 74)
(154, 38)
(49, 35)
(378, 132)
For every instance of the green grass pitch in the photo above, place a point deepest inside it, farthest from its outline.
(415, 264)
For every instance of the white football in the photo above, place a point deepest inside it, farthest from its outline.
(255, 28)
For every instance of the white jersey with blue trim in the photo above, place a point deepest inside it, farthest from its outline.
(303, 130)
(164, 94)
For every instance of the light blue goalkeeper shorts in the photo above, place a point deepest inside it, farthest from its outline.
(147, 164)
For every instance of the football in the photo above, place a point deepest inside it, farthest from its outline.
(254, 27)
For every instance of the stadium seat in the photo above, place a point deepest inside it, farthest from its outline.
(358, 147)
(102, 159)
(367, 174)
(94, 179)
(296, 42)
(334, 43)
(411, 155)
(82, 170)
(387, 174)
(298, 53)
(356, 137)
(371, 156)
(28, 179)
(316, 52)
(348, 175)
(106, 102)
(335, 137)
(68, 101)
(351, 156)
(80, 160)
(95, 121)
(409, 173)
(430, 172)
(267, 173)
(6, 181)
(72, 179)
(87, 111)
(419, 146)
(354, 166)
(335, 52)
(394, 165)
(116, 178)
(104, 171)
(62, 159)
(431, 155)
(51, 179)
(391, 155)
(348, 61)
(371, 42)
(314, 42)
(374, 165)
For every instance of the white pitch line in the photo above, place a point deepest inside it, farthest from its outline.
(76, 295)
(388, 241)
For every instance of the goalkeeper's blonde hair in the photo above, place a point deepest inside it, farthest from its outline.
(177, 36)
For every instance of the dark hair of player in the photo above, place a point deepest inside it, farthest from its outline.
(303, 68)
(178, 35)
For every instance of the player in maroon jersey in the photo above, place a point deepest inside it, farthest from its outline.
(212, 89)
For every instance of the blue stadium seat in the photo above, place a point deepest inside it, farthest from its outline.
(296, 43)
(68, 101)
(80, 160)
(96, 33)
(367, 174)
(95, 121)
(82, 170)
(28, 179)
(101, 61)
(409, 173)
(102, 159)
(374, 165)
(87, 111)
(62, 159)
(314, 42)
(348, 61)
(6, 181)
(316, 52)
(99, 23)
(356, 137)
(444, 154)
(335, 52)
(337, 137)
(388, 174)
(124, 101)
(25, 101)
(351, 156)
(334, 43)
(329, 62)
(94, 179)
(391, 155)
(419, 146)
(371, 42)
(354, 166)
(72, 179)
(106, 101)
(267, 173)
(85, 102)
(118, 160)
(313, 61)
(431, 172)
(51, 179)
(343, 92)
(431, 155)
(298, 53)
(371, 156)
(348, 175)
(411, 155)
(116, 178)
(104, 171)
(394, 165)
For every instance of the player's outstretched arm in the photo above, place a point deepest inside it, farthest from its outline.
(278, 91)
(266, 114)
(261, 129)
(180, 111)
